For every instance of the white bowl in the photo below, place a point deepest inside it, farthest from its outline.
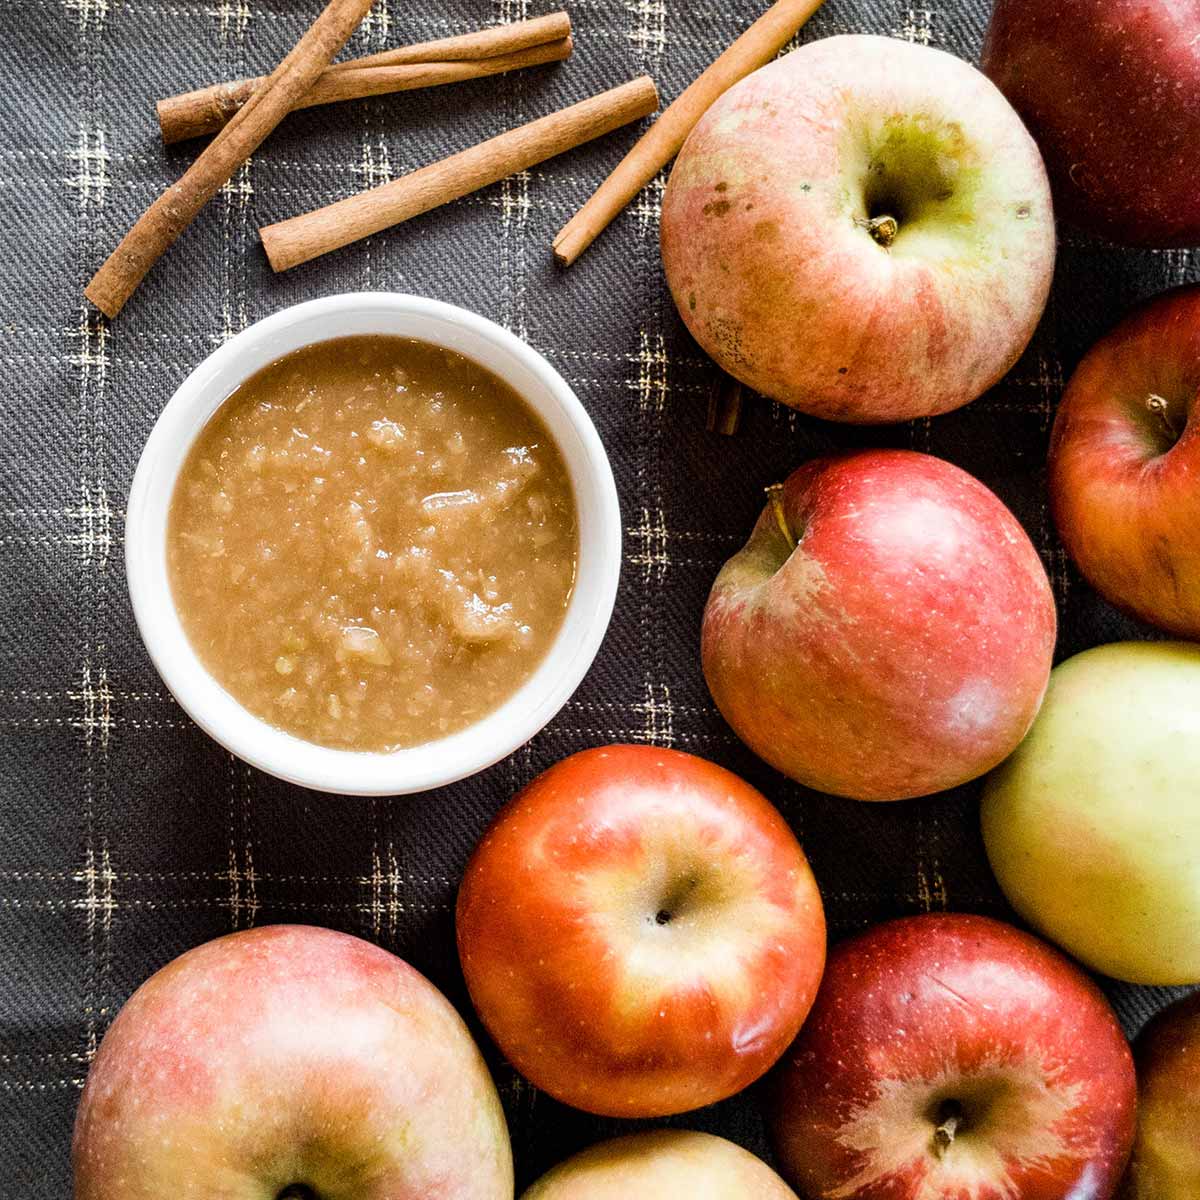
(447, 759)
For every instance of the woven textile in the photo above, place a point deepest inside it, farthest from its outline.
(126, 835)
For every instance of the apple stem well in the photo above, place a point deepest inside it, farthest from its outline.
(883, 229)
(775, 495)
(949, 1118)
(1161, 407)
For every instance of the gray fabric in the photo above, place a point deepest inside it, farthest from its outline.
(127, 836)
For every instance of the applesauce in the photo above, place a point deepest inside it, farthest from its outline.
(372, 543)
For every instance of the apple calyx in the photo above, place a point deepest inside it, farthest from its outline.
(949, 1117)
(676, 899)
(775, 495)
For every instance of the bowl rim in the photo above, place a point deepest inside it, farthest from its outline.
(444, 760)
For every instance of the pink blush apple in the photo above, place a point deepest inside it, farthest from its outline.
(886, 632)
(862, 230)
(289, 1061)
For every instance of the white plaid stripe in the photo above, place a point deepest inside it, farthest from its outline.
(376, 29)
(240, 874)
(94, 698)
(93, 517)
(647, 208)
(91, 161)
(658, 715)
(375, 166)
(93, 357)
(916, 25)
(649, 539)
(90, 13)
(238, 190)
(98, 903)
(385, 887)
(649, 33)
(651, 384)
(233, 16)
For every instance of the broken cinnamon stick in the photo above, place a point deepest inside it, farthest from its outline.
(292, 242)
(724, 405)
(489, 51)
(755, 48)
(162, 223)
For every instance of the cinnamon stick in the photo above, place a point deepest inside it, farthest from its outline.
(289, 243)
(755, 48)
(482, 43)
(489, 51)
(162, 223)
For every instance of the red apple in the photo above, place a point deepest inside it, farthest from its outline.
(662, 1165)
(952, 1057)
(886, 632)
(1125, 464)
(640, 932)
(1166, 1153)
(1111, 91)
(862, 230)
(293, 1061)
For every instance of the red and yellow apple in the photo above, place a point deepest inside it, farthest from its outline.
(862, 230)
(955, 1056)
(640, 932)
(1166, 1152)
(662, 1165)
(886, 632)
(1093, 826)
(290, 1061)
(1125, 463)
(1111, 91)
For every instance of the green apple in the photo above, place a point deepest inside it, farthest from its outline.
(1093, 825)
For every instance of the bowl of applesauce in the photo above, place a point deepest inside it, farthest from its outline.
(373, 544)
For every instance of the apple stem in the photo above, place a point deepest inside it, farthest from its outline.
(943, 1135)
(1162, 409)
(883, 229)
(775, 493)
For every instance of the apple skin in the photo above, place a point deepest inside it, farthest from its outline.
(289, 1055)
(663, 1163)
(921, 1014)
(640, 932)
(1124, 477)
(1166, 1153)
(774, 270)
(1111, 91)
(1093, 826)
(901, 648)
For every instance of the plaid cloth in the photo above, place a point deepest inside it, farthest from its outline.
(126, 835)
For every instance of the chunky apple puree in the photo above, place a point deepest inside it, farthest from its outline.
(372, 543)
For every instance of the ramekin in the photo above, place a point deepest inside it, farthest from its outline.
(446, 759)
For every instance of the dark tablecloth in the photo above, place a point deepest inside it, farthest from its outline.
(127, 836)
